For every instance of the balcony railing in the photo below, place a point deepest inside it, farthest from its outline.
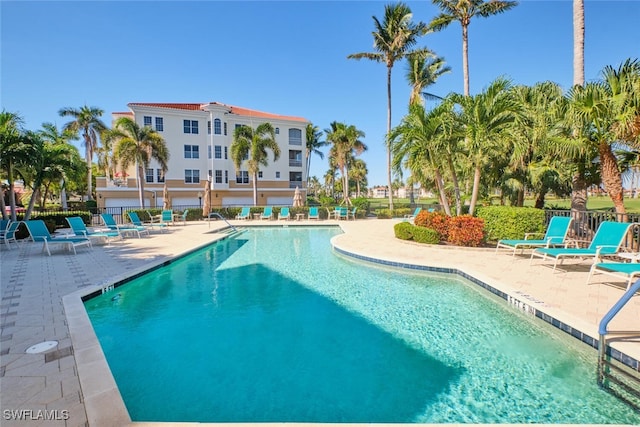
(294, 184)
(295, 163)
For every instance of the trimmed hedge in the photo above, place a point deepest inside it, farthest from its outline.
(404, 230)
(510, 222)
(426, 235)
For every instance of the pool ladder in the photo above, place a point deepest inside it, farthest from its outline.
(620, 380)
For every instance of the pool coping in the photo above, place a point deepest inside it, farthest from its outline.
(103, 402)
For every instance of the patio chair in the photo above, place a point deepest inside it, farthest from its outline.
(284, 213)
(111, 224)
(135, 220)
(268, 213)
(412, 216)
(9, 235)
(343, 213)
(181, 217)
(245, 213)
(352, 214)
(313, 213)
(606, 241)
(39, 233)
(80, 230)
(555, 235)
(166, 217)
(628, 271)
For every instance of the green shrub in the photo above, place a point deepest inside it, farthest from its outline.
(438, 221)
(401, 212)
(466, 230)
(362, 203)
(426, 235)
(383, 214)
(510, 222)
(404, 230)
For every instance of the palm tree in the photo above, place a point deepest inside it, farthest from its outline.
(87, 122)
(346, 144)
(252, 144)
(51, 134)
(393, 39)
(313, 145)
(485, 118)
(139, 145)
(14, 150)
(358, 173)
(423, 71)
(463, 11)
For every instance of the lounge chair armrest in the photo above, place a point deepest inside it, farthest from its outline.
(527, 235)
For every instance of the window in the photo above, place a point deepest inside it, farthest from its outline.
(209, 127)
(242, 177)
(218, 151)
(277, 131)
(216, 126)
(191, 152)
(192, 176)
(259, 174)
(295, 137)
(295, 158)
(218, 177)
(277, 174)
(208, 151)
(238, 125)
(225, 128)
(148, 175)
(146, 121)
(159, 124)
(210, 176)
(190, 126)
(226, 153)
(160, 175)
(226, 177)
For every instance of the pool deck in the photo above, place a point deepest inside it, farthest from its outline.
(40, 300)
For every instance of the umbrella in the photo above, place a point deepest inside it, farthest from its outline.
(297, 198)
(206, 207)
(166, 201)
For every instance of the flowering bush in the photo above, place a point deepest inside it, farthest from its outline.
(466, 230)
(437, 221)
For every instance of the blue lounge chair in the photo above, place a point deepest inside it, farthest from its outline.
(39, 233)
(80, 230)
(111, 224)
(343, 213)
(181, 217)
(606, 241)
(313, 213)
(245, 213)
(555, 236)
(629, 271)
(9, 235)
(166, 217)
(135, 220)
(413, 215)
(352, 214)
(284, 214)
(268, 213)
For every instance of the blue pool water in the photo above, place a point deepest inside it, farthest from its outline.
(274, 326)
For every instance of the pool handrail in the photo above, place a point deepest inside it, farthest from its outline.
(217, 215)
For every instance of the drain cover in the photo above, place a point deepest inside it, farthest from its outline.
(40, 347)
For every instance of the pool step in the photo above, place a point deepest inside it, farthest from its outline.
(622, 382)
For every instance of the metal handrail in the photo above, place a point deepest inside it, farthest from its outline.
(217, 215)
(604, 323)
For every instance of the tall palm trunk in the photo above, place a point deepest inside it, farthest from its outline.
(579, 186)
(12, 192)
(140, 173)
(456, 185)
(444, 200)
(255, 188)
(388, 132)
(89, 159)
(611, 176)
(465, 57)
(476, 189)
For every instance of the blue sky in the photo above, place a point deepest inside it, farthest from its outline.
(284, 57)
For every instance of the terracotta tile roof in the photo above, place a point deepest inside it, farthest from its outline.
(123, 113)
(232, 109)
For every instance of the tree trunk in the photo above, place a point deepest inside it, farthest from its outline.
(465, 58)
(540, 199)
(255, 188)
(611, 176)
(12, 192)
(63, 195)
(578, 42)
(3, 205)
(456, 185)
(444, 200)
(388, 143)
(89, 159)
(475, 190)
(140, 185)
(32, 201)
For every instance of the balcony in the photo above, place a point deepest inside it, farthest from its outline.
(294, 184)
(295, 163)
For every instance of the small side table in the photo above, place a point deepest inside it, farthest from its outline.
(257, 215)
(299, 216)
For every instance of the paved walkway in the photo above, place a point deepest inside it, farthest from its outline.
(40, 301)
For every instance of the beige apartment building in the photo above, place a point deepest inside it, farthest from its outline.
(199, 138)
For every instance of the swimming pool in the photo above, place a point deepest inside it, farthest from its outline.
(273, 326)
